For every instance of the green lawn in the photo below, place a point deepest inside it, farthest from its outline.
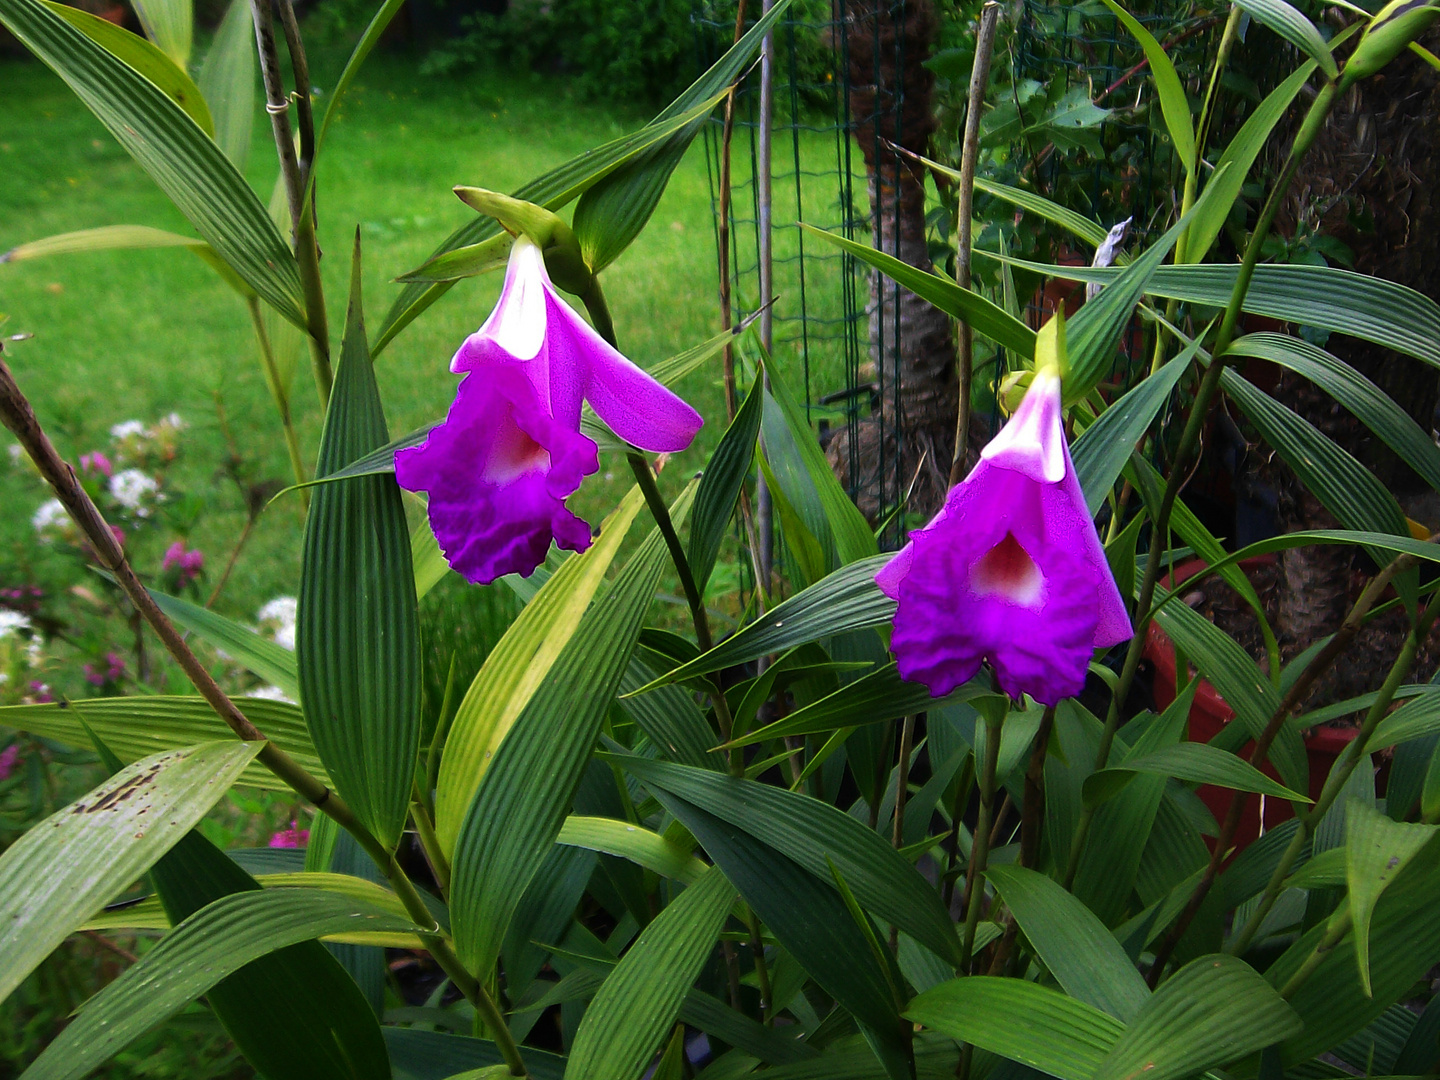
(122, 335)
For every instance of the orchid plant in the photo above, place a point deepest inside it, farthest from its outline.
(875, 831)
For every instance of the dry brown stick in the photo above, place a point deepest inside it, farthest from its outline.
(1321, 662)
(100, 939)
(965, 213)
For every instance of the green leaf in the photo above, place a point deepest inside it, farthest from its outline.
(805, 914)
(633, 842)
(511, 820)
(720, 486)
(1196, 763)
(357, 631)
(1239, 680)
(564, 183)
(227, 79)
(813, 834)
(1174, 105)
(670, 717)
(1376, 850)
(640, 1000)
(1239, 156)
(469, 261)
(1104, 447)
(518, 665)
(314, 1023)
(984, 317)
(215, 942)
(873, 698)
(1324, 297)
(61, 871)
(179, 156)
(1213, 1010)
(1377, 411)
(846, 600)
(1092, 335)
(137, 727)
(1413, 720)
(849, 530)
(1344, 487)
(1295, 28)
(105, 238)
(149, 60)
(1076, 224)
(170, 24)
(1031, 1024)
(1080, 952)
(611, 213)
(418, 1054)
(272, 662)
(427, 561)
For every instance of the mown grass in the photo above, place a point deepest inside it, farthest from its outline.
(122, 335)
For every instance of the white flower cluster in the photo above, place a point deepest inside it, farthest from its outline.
(11, 621)
(277, 617)
(52, 523)
(136, 491)
(270, 693)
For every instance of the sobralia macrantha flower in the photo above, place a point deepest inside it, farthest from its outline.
(1010, 571)
(499, 468)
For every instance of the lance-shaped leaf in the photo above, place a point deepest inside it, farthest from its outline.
(1213, 1010)
(179, 156)
(1080, 952)
(271, 661)
(1104, 447)
(433, 1055)
(560, 185)
(139, 726)
(984, 317)
(1376, 850)
(215, 942)
(640, 1000)
(846, 600)
(806, 915)
(516, 668)
(60, 872)
(1295, 28)
(170, 24)
(1196, 763)
(633, 842)
(725, 474)
(227, 78)
(1174, 105)
(357, 630)
(526, 791)
(814, 834)
(1324, 297)
(1031, 1024)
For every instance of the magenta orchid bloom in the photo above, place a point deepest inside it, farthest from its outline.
(500, 467)
(1010, 571)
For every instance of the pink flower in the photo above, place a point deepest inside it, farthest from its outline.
(186, 564)
(290, 838)
(40, 692)
(499, 468)
(119, 534)
(8, 757)
(1010, 571)
(113, 670)
(97, 462)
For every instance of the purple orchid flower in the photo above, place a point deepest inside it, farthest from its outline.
(1010, 571)
(510, 451)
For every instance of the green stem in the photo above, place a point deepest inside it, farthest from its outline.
(307, 255)
(1339, 776)
(430, 844)
(762, 973)
(1190, 438)
(277, 391)
(980, 846)
(1340, 924)
(437, 741)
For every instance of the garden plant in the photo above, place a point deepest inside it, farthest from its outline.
(637, 846)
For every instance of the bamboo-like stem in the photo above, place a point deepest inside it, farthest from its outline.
(722, 236)
(430, 844)
(1318, 665)
(1189, 440)
(1340, 923)
(300, 69)
(282, 401)
(762, 973)
(1032, 813)
(965, 214)
(902, 780)
(437, 740)
(980, 847)
(1339, 775)
(17, 415)
(307, 252)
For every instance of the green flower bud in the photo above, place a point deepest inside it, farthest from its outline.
(1398, 24)
(563, 259)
